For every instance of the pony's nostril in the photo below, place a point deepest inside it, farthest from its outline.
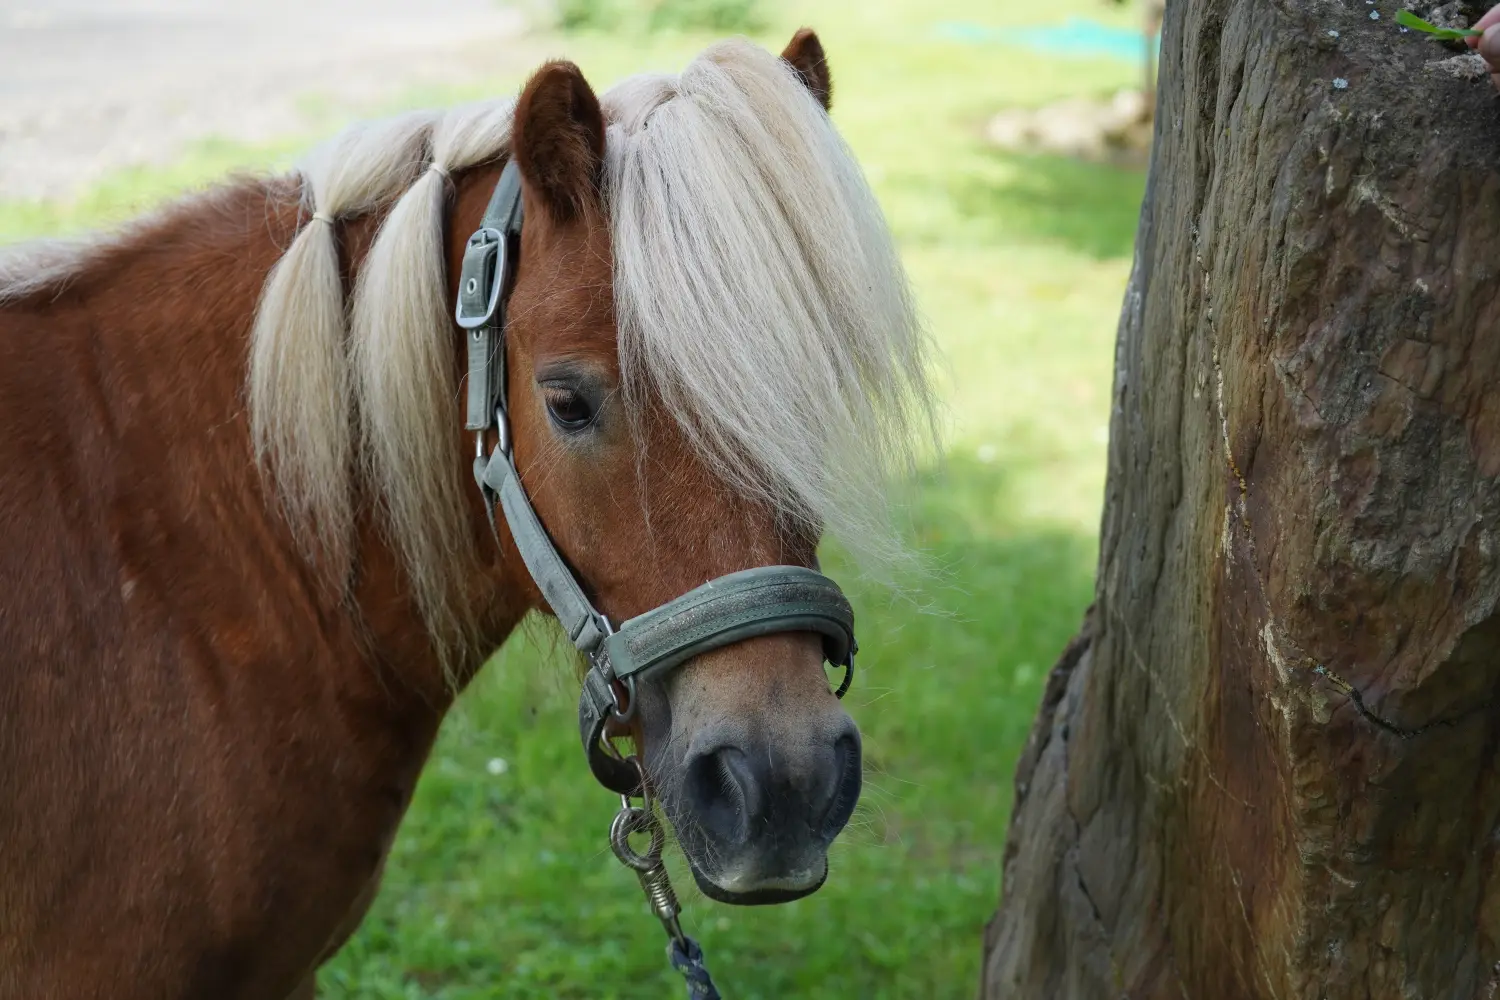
(736, 795)
(724, 793)
(848, 780)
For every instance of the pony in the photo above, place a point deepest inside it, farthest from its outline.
(244, 576)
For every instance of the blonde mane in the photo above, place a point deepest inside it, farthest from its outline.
(758, 296)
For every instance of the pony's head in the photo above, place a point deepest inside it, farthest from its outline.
(711, 359)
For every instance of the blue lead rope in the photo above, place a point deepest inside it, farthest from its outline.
(689, 962)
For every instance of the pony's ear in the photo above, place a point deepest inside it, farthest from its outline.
(558, 140)
(805, 53)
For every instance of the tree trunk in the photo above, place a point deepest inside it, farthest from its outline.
(1267, 766)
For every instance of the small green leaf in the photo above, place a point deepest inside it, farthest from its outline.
(1411, 20)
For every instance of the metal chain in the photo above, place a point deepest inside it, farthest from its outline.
(682, 951)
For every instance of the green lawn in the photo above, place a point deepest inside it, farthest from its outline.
(501, 883)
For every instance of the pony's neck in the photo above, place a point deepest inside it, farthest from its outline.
(501, 590)
(154, 328)
(495, 582)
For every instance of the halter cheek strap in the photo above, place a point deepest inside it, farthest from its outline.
(726, 610)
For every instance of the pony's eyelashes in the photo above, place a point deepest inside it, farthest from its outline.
(570, 409)
(573, 394)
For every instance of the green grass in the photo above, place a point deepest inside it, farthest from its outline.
(501, 884)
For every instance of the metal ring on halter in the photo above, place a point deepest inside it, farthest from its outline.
(502, 431)
(647, 801)
(848, 676)
(636, 820)
(623, 716)
(502, 435)
(608, 745)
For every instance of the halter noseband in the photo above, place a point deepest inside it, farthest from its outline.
(731, 608)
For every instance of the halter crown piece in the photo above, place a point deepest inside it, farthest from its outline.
(753, 602)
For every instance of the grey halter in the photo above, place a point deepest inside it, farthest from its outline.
(752, 602)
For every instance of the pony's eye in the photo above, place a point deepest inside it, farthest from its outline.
(569, 409)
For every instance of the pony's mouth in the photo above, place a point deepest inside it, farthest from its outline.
(766, 893)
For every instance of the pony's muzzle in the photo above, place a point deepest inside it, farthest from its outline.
(764, 811)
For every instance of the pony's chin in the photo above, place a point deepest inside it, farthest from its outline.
(766, 896)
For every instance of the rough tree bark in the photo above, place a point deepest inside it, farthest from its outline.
(1267, 766)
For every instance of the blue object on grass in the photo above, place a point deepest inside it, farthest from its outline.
(1076, 37)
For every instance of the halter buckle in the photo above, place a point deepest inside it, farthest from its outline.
(482, 280)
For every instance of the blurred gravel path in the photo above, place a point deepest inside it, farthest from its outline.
(89, 86)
